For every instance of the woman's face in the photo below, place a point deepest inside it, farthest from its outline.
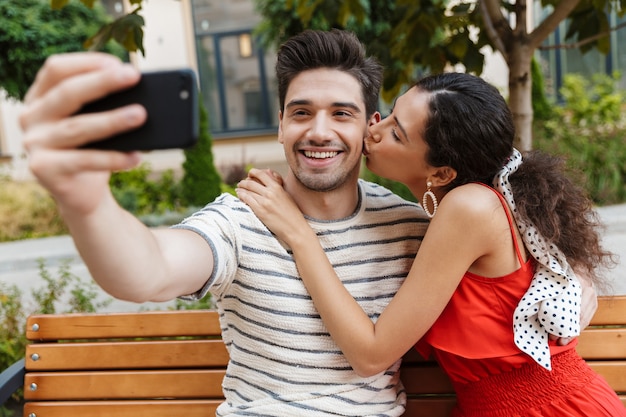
(395, 148)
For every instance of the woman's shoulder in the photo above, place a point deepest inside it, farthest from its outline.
(473, 199)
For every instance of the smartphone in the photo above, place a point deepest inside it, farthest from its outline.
(171, 101)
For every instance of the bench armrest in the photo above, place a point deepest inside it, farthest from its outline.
(11, 379)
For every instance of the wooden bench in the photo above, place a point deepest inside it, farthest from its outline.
(172, 364)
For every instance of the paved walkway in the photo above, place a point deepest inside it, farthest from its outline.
(18, 260)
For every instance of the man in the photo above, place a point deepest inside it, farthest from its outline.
(282, 359)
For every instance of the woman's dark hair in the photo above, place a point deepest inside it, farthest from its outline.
(334, 49)
(470, 128)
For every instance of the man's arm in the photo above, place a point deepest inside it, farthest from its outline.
(126, 258)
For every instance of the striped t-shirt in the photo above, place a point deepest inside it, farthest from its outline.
(283, 361)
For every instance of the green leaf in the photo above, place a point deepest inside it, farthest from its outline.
(97, 41)
(88, 3)
(58, 4)
(128, 31)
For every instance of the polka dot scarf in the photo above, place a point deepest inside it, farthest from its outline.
(552, 303)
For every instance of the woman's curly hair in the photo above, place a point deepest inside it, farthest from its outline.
(546, 193)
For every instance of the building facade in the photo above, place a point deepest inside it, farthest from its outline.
(237, 81)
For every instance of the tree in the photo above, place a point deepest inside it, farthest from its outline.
(201, 181)
(126, 30)
(410, 36)
(30, 31)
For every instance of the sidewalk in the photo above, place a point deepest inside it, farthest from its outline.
(19, 265)
(614, 239)
(18, 260)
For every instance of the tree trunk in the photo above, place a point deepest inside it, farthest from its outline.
(520, 95)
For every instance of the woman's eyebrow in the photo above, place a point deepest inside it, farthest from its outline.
(400, 126)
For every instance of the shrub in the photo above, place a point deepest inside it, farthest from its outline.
(61, 289)
(201, 182)
(27, 211)
(142, 193)
(590, 131)
(30, 31)
(66, 289)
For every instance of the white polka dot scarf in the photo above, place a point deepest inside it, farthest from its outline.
(552, 303)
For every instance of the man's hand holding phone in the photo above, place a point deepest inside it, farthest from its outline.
(53, 131)
(170, 99)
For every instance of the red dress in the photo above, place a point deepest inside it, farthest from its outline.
(473, 342)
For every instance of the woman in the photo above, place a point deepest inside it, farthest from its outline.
(492, 283)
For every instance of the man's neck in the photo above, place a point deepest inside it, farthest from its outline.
(327, 205)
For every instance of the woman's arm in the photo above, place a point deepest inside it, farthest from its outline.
(444, 256)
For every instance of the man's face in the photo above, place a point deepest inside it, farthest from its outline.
(322, 128)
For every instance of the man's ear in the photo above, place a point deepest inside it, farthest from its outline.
(375, 118)
(280, 127)
(443, 176)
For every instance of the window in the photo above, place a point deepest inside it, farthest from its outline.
(558, 62)
(236, 76)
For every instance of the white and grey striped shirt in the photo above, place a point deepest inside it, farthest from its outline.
(283, 362)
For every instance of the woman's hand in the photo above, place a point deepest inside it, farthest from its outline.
(588, 306)
(263, 191)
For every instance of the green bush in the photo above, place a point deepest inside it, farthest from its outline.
(66, 289)
(27, 211)
(12, 318)
(30, 31)
(590, 131)
(201, 182)
(542, 108)
(141, 192)
(60, 289)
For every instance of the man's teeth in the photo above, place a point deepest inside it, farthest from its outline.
(320, 155)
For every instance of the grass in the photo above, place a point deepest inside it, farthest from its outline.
(27, 211)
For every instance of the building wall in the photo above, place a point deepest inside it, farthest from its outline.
(169, 42)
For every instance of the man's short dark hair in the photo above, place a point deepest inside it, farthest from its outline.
(334, 49)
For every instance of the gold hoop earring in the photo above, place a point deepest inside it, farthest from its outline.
(433, 197)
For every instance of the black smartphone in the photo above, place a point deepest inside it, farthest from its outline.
(171, 101)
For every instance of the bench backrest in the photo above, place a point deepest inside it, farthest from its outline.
(172, 363)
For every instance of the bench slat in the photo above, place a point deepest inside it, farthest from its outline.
(432, 407)
(174, 384)
(123, 325)
(598, 343)
(97, 365)
(127, 355)
(161, 408)
(425, 380)
(614, 372)
(611, 311)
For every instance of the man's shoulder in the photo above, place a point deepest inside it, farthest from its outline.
(224, 207)
(227, 201)
(380, 196)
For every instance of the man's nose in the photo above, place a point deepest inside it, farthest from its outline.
(320, 128)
